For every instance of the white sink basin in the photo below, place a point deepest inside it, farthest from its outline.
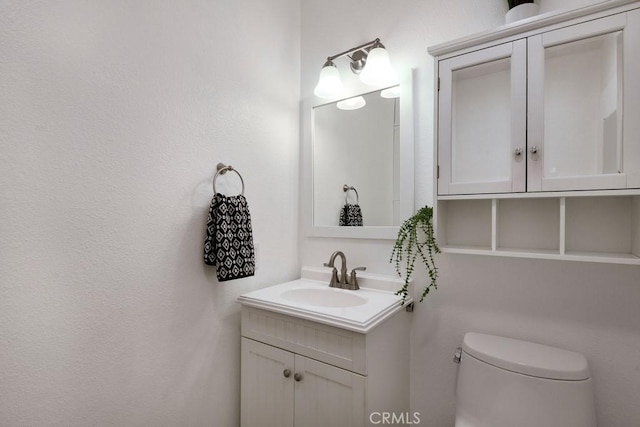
(310, 299)
(324, 297)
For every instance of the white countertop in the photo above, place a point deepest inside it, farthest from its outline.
(377, 305)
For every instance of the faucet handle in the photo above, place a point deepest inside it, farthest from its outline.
(334, 276)
(353, 280)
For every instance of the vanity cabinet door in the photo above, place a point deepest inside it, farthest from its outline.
(267, 391)
(328, 396)
(583, 106)
(283, 389)
(482, 121)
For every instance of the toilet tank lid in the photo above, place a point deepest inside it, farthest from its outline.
(527, 358)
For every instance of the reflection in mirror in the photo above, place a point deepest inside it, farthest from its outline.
(481, 122)
(348, 148)
(584, 138)
(360, 149)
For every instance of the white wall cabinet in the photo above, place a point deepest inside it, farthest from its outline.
(538, 138)
(301, 373)
(543, 110)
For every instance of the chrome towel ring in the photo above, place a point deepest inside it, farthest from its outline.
(222, 169)
(346, 188)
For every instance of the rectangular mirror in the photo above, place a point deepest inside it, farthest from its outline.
(369, 152)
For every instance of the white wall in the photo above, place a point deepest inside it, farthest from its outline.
(590, 308)
(113, 116)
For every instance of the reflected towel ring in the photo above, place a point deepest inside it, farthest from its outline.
(222, 169)
(346, 188)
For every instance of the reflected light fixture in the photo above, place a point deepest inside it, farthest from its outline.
(352, 103)
(370, 61)
(392, 92)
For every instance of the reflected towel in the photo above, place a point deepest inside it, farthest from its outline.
(229, 241)
(351, 215)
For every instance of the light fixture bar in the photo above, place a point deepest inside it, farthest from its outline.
(353, 49)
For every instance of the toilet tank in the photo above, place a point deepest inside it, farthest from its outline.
(504, 382)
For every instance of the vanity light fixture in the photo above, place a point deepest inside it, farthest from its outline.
(352, 103)
(329, 83)
(370, 61)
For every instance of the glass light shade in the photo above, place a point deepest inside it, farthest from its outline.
(352, 103)
(329, 84)
(392, 92)
(378, 69)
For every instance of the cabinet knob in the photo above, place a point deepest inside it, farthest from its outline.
(517, 152)
(297, 376)
(286, 373)
(533, 149)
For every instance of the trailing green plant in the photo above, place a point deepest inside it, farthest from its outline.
(409, 247)
(514, 3)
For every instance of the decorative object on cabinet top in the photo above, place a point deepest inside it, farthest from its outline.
(520, 9)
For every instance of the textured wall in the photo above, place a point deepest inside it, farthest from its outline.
(591, 308)
(113, 115)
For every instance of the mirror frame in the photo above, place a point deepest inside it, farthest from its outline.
(406, 167)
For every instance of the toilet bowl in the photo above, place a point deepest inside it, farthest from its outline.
(504, 382)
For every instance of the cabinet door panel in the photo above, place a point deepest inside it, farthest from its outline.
(482, 121)
(328, 396)
(576, 107)
(267, 395)
(631, 129)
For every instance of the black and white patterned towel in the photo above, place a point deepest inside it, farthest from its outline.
(229, 241)
(350, 215)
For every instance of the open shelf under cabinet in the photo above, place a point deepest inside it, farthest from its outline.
(590, 228)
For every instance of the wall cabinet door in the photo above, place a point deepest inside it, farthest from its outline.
(482, 121)
(283, 389)
(580, 92)
(557, 111)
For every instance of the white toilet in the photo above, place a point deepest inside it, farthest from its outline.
(503, 382)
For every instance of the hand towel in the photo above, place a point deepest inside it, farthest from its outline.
(229, 241)
(351, 215)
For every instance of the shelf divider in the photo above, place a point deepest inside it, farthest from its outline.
(494, 224)
(563, 223)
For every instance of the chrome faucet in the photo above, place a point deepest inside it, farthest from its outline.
(344, 282)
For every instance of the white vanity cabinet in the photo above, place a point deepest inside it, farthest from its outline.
(538, 137)
(551, 106)
(297, 372)
(285, 389)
